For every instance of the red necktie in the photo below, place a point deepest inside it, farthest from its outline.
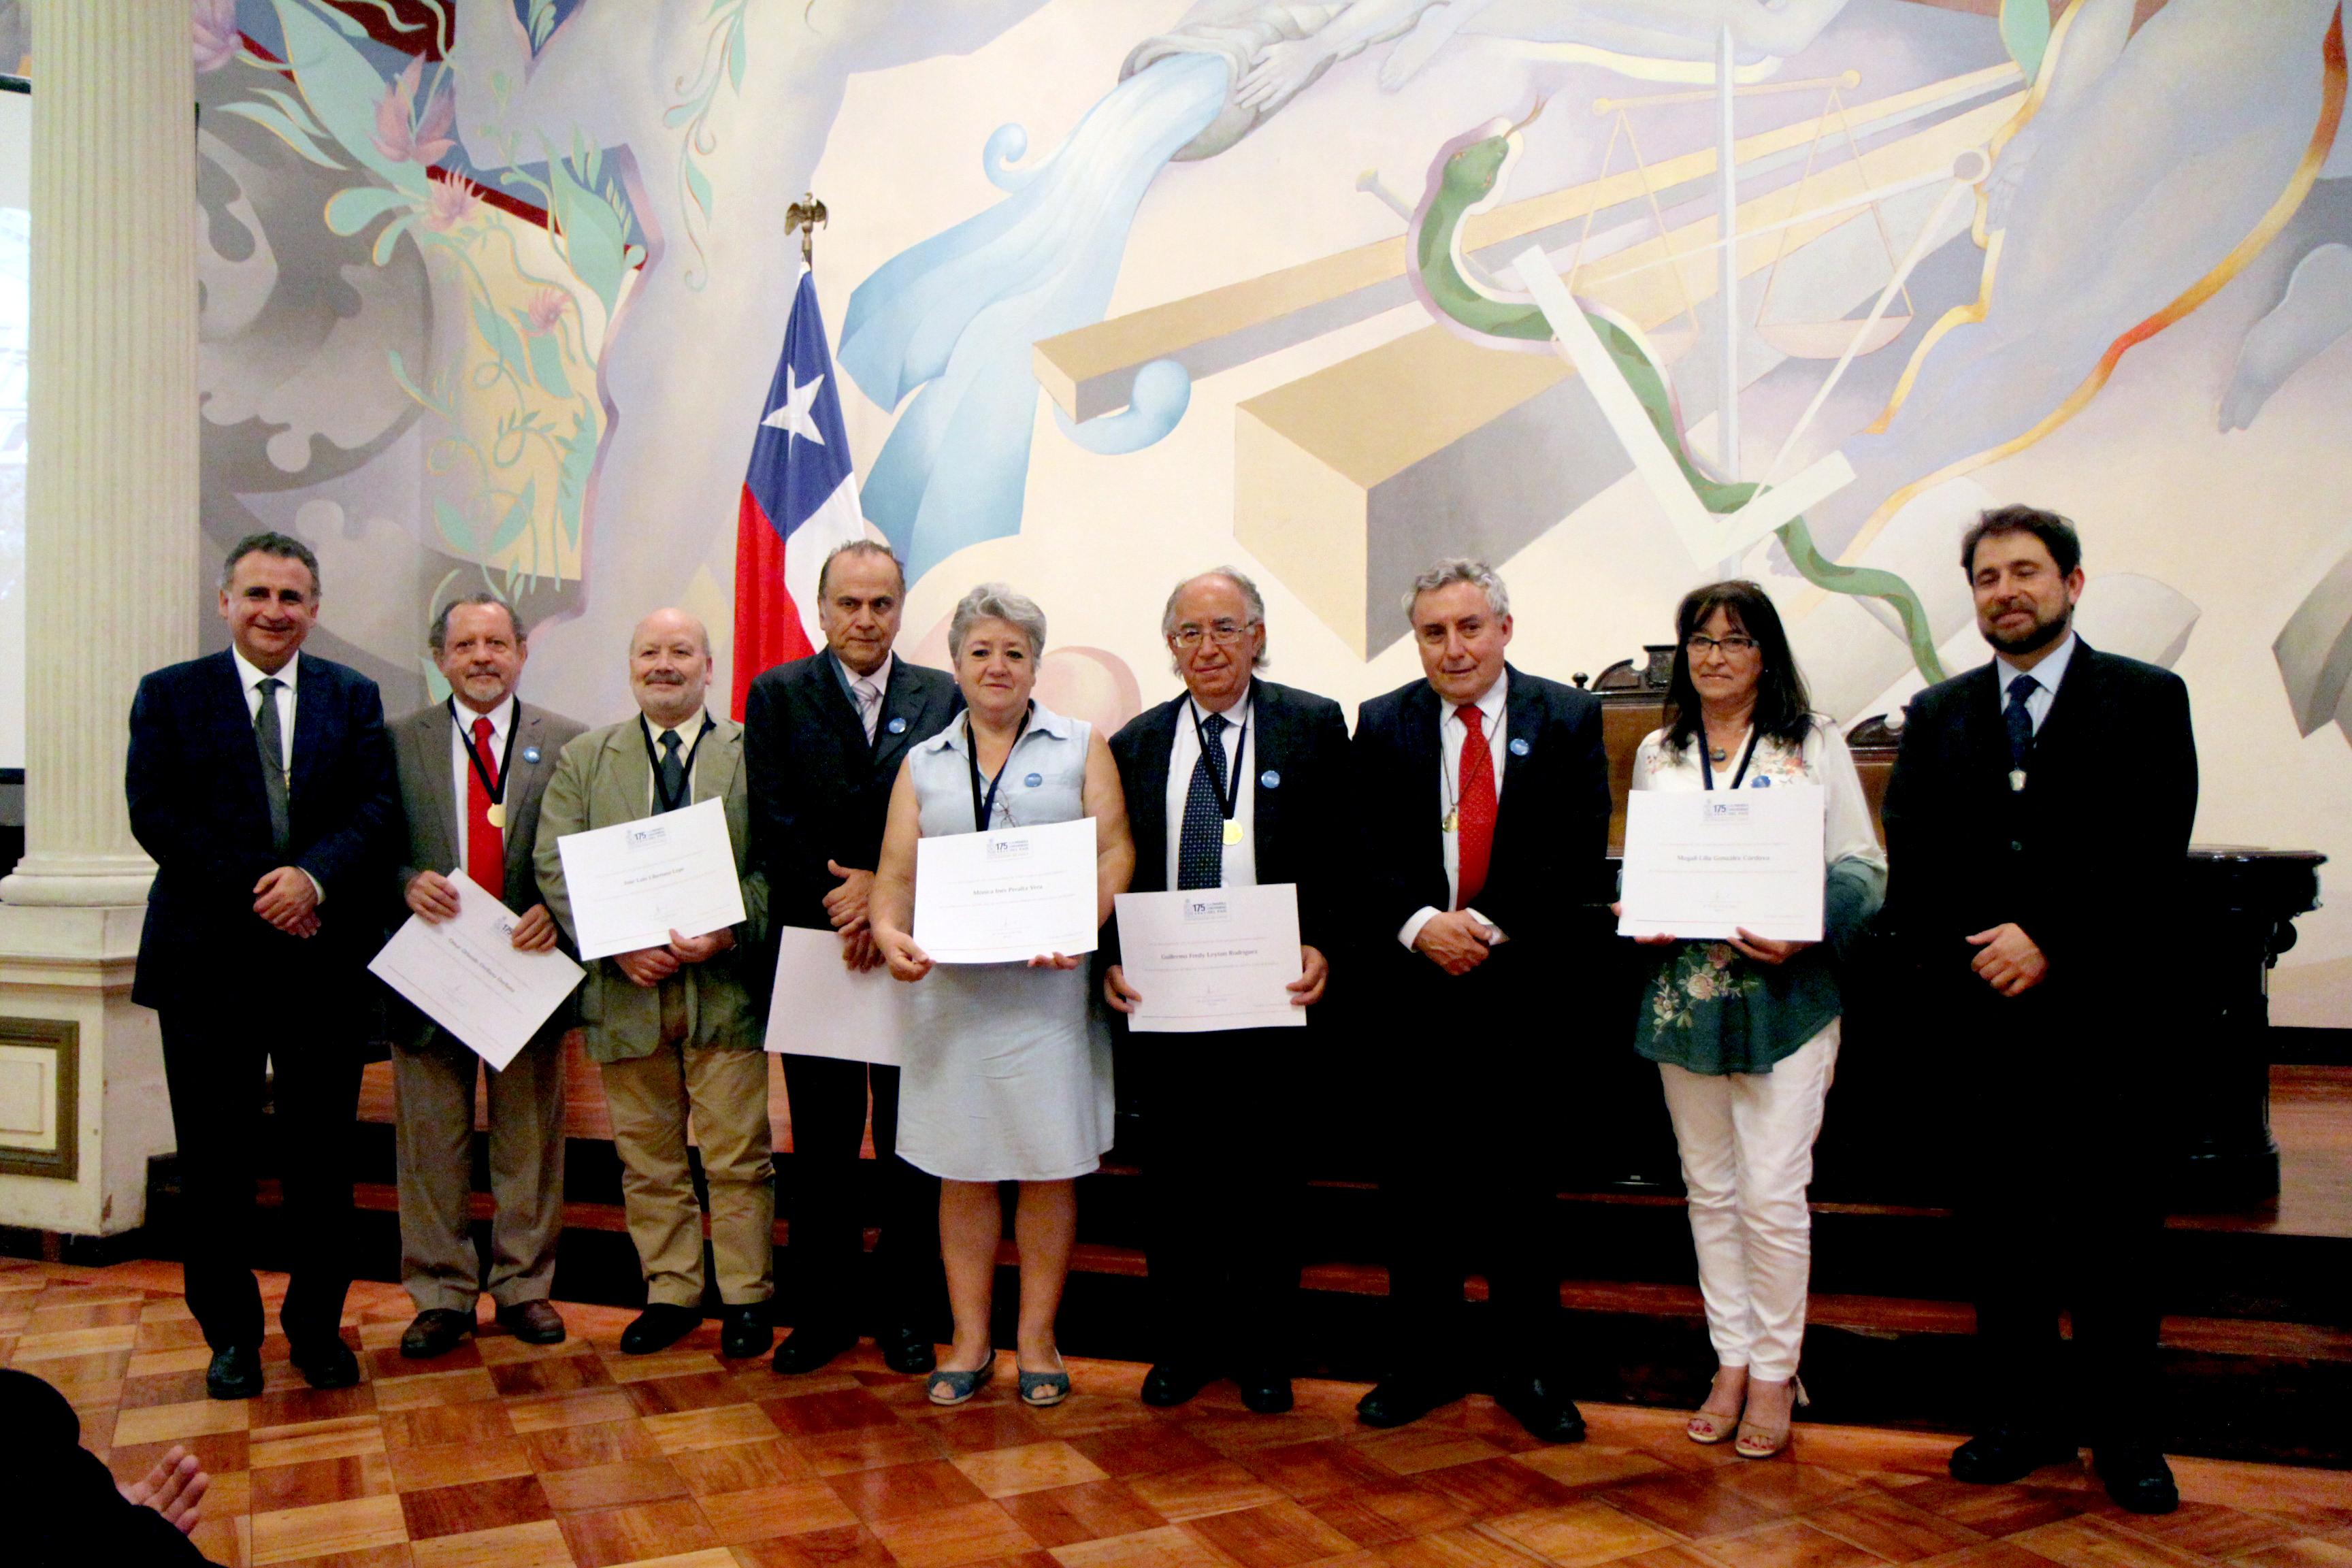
(1477, 806)
(486, 847)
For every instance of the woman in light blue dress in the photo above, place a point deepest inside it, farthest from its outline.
(1008, 1073)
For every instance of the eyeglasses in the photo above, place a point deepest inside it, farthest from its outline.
(1700, 644)
(1225, 634)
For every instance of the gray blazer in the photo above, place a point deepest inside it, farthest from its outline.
(420, 756)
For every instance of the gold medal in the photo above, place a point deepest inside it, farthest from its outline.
(1232, 833)
(2017, 778)
(1450, 823)
(498, 815)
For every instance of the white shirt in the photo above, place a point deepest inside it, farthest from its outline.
(1240, 859)
(880, 681)
(688, 751)
(461, 741)
(253, 675)
(1451, 734)
(2046, 675)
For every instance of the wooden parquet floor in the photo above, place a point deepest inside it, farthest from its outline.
(507, 1456)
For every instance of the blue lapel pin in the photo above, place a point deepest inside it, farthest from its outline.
(1519, 745)
(1762, 783)
(1271, 778)
(530, 754)
(1034, 780)
(898, 725)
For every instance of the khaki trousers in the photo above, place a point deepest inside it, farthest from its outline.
(725, 1090)
(435, 1089)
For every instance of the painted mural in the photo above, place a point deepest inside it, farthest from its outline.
(493, 291)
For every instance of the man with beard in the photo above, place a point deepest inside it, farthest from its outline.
(2036, 828)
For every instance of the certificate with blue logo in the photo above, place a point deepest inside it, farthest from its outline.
(1212, 958)
(634, 883)
(1706, 865)
(1007, 895)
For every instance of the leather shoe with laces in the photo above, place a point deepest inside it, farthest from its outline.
(235, 1373)
(1173, 1383)
(808, 1348)
(2002, 1454)
(1408, 1396)
(1263, 1392)
(533, 1322)
(2137, 1478)
(1542, 1407)
(908, 1351)
(436, 1331)
(658, 1327)
(744, 1332)
(330, 1365)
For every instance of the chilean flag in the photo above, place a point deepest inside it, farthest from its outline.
(800, 499)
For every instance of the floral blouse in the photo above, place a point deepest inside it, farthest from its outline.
(1705, 1007)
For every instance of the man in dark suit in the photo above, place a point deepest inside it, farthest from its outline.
(261, 783)
(823, 737)
(472, 770)
(2037, 823)
(1237, 783)
(1483, 813)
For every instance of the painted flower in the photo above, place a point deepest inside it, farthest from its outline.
(401, 133)
(213, 30)
(546, 309)
(452, 203)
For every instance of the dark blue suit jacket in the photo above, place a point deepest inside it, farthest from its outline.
(198, 808)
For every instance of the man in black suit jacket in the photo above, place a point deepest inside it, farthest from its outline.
(823, 738)
(2036, 826)
(1483, 800)
(1237, 783)
(261, 783)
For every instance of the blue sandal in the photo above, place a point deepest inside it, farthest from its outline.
(1040, 1389)
(947, 1387)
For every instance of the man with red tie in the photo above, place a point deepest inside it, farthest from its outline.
(1484, 794)
(472, 770)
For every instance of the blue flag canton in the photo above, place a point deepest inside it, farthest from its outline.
(800, 454)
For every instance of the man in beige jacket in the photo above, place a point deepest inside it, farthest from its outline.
(672, 1029)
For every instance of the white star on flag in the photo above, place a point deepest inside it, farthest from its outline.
(793, 418)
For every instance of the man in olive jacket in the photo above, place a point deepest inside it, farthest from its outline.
(672, 1029)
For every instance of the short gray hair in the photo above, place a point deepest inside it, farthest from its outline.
(1460, 569)
(995, 602)
(860, 547)
(1251, 597)
(437, 638)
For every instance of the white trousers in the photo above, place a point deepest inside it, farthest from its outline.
(1747, 1143)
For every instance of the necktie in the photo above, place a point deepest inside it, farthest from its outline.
(869, 703)
(2019, 720)
(673, 773)
(1200, 852)
(1477, 806)
(486, 847)
(269, 739)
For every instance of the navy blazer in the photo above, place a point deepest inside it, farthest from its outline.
(1300, 821)
(819, 792)
(197, 806)
(1550, 868)
(2088, 858)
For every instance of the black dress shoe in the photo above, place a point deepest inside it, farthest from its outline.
(437, 1330)
(808, 1348)
(1262, 1393)
(328, 1364)
(745, 1332)
(1541, 1406)
(908, 1351)
(657, 1327)
(2137, 1478)
(1172, 1382)
(2005, 1453)
(235, 1373)
(533, 1322)
(1394, 1401)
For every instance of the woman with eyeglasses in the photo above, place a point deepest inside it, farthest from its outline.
(1745, 1032)
(1007, 1075)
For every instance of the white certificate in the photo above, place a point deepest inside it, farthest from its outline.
(1214, 958)
(1007, 895)
(634, 883)
(465, 974)
(1707, 864)
(823, 1008)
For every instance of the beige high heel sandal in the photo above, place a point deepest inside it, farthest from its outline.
(1760, 1442)
(1706, 1427)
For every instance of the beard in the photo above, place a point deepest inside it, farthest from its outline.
(2033, 640)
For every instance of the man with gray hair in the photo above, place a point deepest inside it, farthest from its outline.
(473, 768)
(1233, 783)
(1472, 931)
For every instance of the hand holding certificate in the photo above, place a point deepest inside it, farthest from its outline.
(635, 883)
(466, 975)
(1707, 865)
(1008, 894)
(1212, 958)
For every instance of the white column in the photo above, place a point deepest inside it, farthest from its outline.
(111, 584)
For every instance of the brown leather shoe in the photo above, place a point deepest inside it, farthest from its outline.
(533, 1322)
(436, 1332)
